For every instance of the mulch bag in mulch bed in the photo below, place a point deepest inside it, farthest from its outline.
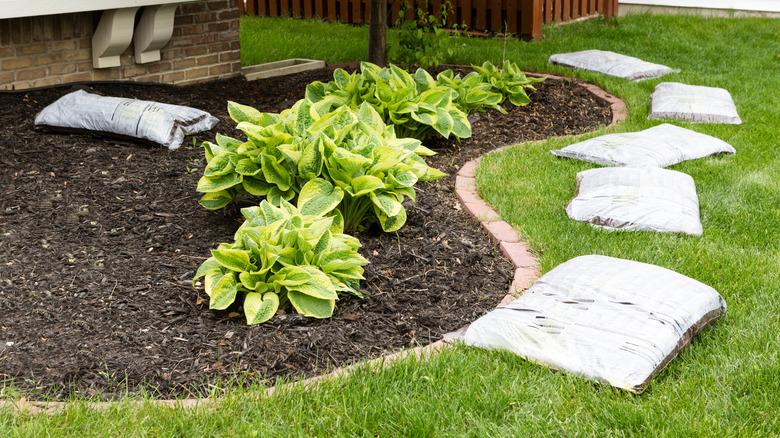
(693, 103)
(637, 198)
(659, 146)
(127, 119)
(610, 63)
(612, 320)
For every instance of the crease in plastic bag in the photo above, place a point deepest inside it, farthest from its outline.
(693, 103)
(154, 122)
(607, 319)
(637, 198)
(660, 146)
(611, 63)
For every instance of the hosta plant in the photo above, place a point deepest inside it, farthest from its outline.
(510, 81)
(296, 254)
(351, 150)
(416, 104)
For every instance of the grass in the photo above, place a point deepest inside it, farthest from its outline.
(725, 383)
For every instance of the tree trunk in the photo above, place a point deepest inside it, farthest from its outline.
(377, 33)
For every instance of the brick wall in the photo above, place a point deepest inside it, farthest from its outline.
(57, 49)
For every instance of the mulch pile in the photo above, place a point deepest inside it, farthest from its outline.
(100, 240)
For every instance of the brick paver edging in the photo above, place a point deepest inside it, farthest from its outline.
(502, 234)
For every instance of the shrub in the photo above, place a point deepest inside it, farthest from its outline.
(282, 254)
(422, 41)
(353, 152)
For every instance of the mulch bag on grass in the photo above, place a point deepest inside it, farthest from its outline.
(637, 198)
(610, 63)
(693, 103)
(128, 119)
(659, 146)
(612, 320)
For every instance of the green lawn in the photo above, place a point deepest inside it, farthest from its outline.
(725, 384)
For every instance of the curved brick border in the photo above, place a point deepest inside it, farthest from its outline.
(502, 234)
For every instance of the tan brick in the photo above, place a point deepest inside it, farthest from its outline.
(6, 77)
(207, 60)
(61, 69)
(184, 63)
(49, 58)
(6, 52)
(77, 55)
(110, 74)
(196, 72)
(183, 41)
(132, 71)
(31, 49)
(218, 47)
(84, 66)
(173, 54)
(61, 46)
(17, 63)
(32, 73)
(161, 66)
(228, 36)
(78, 77)
(229, 56)
(196, 50)
(85, 43)
(215, 70)
(148, 78)
(47, 81)
(173, 77)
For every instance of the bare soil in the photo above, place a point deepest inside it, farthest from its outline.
(100, 240)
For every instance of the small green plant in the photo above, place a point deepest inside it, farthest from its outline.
(285, 254)
(423, 40)
(509, 81)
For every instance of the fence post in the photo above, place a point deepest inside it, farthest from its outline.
(531, 18)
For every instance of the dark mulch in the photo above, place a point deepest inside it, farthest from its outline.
(100, 240)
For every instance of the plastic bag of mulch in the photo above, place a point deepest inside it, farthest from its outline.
(659, 146)
(129, 119)
(637, 198)
(611, 63)
(612, 320)
(693, 103)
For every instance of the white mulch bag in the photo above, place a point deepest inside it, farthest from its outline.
(659, 146)
(694, 103)
(612, 320)
(637, 198)
(610, 63)
(159, 123)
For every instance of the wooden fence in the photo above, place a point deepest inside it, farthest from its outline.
(524, 17)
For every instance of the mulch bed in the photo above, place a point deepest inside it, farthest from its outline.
(100, 240)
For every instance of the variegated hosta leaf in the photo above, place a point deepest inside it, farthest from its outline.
(308, 305)
(216, 200)
(318, 197)
(260, 307)
(224, 292)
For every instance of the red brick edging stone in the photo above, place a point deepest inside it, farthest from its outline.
(503, 235)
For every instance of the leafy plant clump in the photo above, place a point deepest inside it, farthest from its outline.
(282, 254)
(350, 156)
(416, 105)
(420, 106)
